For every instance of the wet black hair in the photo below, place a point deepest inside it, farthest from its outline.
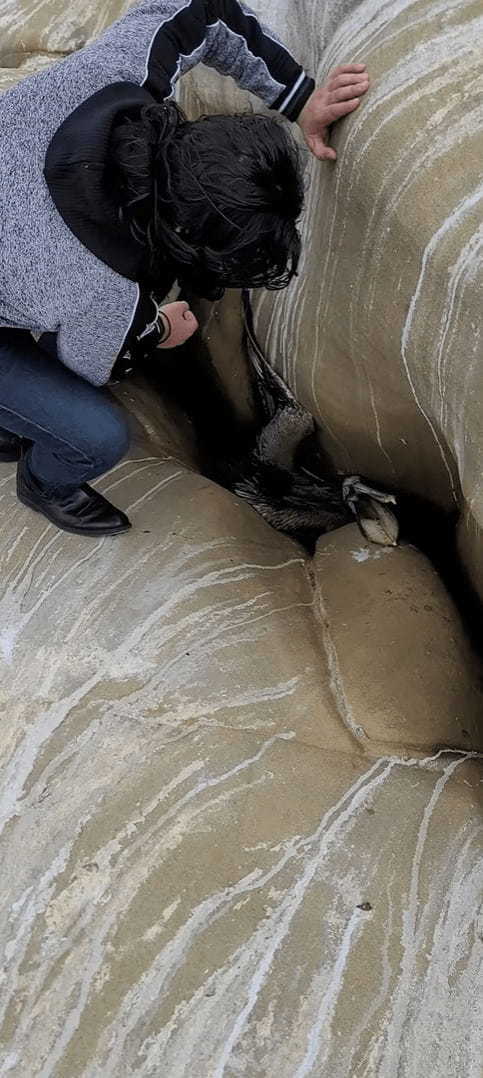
(215, 200)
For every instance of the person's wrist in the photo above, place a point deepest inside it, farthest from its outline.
(167, 329)
(302, 116)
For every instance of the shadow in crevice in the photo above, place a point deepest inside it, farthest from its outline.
(434, 532)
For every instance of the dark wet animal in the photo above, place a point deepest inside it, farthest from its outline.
(274, 461)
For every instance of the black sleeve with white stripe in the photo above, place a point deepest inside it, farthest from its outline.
(157, 41)
(234, 22)
(149, 328)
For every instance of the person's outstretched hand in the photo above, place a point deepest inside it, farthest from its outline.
(340, 95)
(180, 323)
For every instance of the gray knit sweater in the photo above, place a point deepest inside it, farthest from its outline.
(63, 268)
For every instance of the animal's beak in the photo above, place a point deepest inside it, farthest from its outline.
(370, 508)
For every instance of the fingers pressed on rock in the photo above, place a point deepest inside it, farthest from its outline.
(354, 89)
(346, 68)
(347, 80)
(346, 93)
(337, 111)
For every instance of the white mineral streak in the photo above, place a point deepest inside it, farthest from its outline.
(463, 274)
(336, 680)
(319, 1036)
(456, 218)
(372, 553)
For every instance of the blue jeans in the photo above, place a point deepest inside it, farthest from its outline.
(77, 431)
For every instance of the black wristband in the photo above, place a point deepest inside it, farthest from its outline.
(168, 329)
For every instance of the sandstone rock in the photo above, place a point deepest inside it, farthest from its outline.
(192, 829)
(230, 844)
(381, 336)
(401, 664)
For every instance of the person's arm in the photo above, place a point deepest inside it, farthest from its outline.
(157, 41)
(98, 348)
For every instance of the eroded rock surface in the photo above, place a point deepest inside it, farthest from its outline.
(381, 337)
(240, 790)
(217, 857)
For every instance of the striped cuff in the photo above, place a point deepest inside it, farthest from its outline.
(291, 102)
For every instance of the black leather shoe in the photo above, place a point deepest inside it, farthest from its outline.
(82, 512)
(10, 446)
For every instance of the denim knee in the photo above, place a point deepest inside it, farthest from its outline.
(110, 441)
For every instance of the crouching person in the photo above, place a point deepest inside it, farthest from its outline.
(108, 197)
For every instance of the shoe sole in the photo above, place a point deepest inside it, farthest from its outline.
(9, 458)
(89, 532)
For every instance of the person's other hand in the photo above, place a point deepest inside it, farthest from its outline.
(180, 323)
(340, 95)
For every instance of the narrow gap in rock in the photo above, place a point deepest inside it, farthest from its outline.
(189, 381)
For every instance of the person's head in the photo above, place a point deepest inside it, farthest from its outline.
(216, 200)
